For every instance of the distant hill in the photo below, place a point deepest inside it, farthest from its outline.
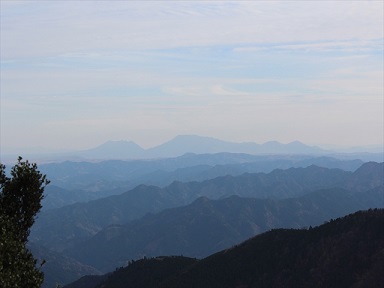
(369, 175)
(346, 252)
(55, 197)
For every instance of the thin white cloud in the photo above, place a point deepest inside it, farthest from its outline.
(56, 27)
(261, 69)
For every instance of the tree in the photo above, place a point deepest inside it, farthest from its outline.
(20, 201)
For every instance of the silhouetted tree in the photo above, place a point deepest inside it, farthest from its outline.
(20, 201)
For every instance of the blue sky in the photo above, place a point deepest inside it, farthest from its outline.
(75, 74)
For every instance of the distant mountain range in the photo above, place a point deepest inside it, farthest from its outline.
(346, 252)
(177, 146)
(183, 144)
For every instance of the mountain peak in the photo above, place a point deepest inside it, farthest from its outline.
(118, 143)
(115, 150)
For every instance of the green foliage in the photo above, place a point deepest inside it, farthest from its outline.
(20, 198)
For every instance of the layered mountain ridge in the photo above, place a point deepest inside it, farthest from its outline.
(207, 226)
(196, 219)
(82, 220)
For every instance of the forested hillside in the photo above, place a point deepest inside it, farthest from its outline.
(346, 252)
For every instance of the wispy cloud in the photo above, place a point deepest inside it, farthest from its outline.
(261, 69)
(50, 28)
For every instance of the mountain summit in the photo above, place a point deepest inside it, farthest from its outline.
(115, 150)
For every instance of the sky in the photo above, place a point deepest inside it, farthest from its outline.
(75, 74)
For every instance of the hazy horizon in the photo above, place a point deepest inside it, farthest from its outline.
(77, 74)
(30, 151)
